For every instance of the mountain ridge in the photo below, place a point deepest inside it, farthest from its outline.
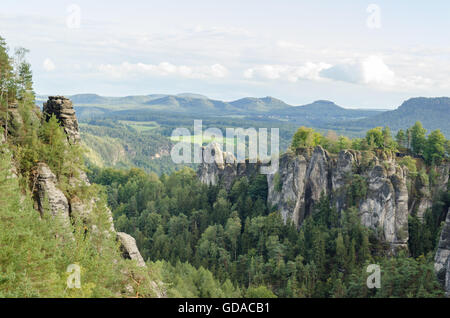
(434, 113)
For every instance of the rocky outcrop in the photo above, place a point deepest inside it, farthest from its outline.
(73, 207)
(317, 179)
(447, 279)
(422, 199)
(442, 258)
(286, 188)
(62, 108)
(386, 205)
(48, 195)
(222, 167)
(129, 248)
(304, 177)
(345, 164)
(426, 192)
(442, 177)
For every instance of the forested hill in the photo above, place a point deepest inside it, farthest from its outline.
(198, 104)
(434, 113)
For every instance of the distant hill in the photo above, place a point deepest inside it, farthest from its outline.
(265, 104)
(191, 105)
(191, 95)
(189, 102)
(434, 113)
(321, 114)
(89, 99)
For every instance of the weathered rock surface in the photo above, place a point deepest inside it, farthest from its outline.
(286, 188)
(62, 108)
(422, 199)
(442, 258)
(222, 167)
(386, 205)
(48, 195)
(426, 193)
(447, 279)
(442, 177)
(129, 248)
(302, 179)
(317, 179)
(74, 207)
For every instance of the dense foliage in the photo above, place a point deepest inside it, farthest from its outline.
(433, 148)
(200, 241)
(37, 249)
(234, 235)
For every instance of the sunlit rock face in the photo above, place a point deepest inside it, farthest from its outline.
(220, 167)
(386, 205)
(305, 176)
(129, 248)
(63, 109)
(286, 187)
(49, 196)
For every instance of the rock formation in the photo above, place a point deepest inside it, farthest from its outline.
(447, 279)
(73, 207)
(287, 188)
(303, 177)
(386, 205)
(425, 192)
(442, 258)
(129, 248)
(222, 167)
(48, 195)
(62, 108)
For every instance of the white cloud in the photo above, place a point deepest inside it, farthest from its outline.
(371, 70)
(48, 65)
(126, 70)
(309, 71)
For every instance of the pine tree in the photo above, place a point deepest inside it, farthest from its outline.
(418, 139)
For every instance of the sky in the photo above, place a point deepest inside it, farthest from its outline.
(359, 54)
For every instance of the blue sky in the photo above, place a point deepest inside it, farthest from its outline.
(370, 54)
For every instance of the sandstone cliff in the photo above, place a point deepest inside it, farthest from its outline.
(387, 195)
(442, 259)
(63, 110)
(70, 208)
(223, 167)
(302, 179)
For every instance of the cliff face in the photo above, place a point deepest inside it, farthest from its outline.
(304, 177)
(287, 188)
(72, 208)
(63, 110)
(425, 193)
(223, 167)
(47, 193)
(442, 259)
